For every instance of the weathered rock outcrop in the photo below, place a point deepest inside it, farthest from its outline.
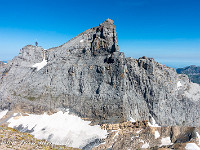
(89, 76)
(151, 138)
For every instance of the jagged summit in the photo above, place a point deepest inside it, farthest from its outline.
(100, 40)
(90, 76)
(107, 22)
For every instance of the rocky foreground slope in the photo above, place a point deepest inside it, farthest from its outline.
(67, 131)
(12, 139)
(92, 78)
(139, 135)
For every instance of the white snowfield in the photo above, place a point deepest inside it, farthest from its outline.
(166, 141)
(3, 113)
(40, 65)
(191, 146)
(60, 128)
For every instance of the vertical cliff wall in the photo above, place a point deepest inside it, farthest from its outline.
(92, 78)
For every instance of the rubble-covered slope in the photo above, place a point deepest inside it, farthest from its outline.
(138, 135)
(13, 139)
(89, 76)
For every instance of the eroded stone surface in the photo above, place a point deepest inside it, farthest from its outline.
(92, 78)
(144, 137)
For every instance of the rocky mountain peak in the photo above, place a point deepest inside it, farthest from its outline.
(107, 22)
(108, 33)
(100, 40)
(90, 77)
(104, 38)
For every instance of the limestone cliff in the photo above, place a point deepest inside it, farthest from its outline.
(92, 78)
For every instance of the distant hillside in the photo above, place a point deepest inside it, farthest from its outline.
(193, 73)
(1, 63)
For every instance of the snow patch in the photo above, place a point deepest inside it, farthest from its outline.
(60, 128)
(191, 146)
(3, 113)
(157, 134)
(132, 120)
(198, 137)
(15, 114)
(166, 141)
(138, 131)
(145, 145)
(40, 65)
(154, 124)
(179, 85)
(81, 41)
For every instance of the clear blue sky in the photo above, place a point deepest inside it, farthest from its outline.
(167, 30)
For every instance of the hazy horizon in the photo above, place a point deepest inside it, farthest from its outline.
(166, 30)
(134, 51)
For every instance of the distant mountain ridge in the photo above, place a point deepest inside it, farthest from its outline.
(1, 63)
(192, 71)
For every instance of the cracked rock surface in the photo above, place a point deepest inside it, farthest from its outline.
(90, 76)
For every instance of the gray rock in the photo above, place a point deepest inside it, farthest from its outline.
(90, 77)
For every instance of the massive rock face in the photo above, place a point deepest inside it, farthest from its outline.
(89, 76)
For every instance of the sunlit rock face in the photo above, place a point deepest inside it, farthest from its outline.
(90, 76)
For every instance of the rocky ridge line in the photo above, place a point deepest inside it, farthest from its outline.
(90, 76)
